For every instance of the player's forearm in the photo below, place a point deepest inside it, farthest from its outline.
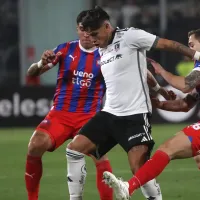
(34, 70)
(177, 82)
(151, 80)
(174, 105)
(37, 69)
(171, 45)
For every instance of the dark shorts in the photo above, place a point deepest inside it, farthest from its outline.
(106, 130)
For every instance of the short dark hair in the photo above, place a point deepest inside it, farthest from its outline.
(80, 16)
(196, 34)
(95, 18)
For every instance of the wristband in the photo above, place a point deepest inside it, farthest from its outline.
(196, 55)
(156, 88)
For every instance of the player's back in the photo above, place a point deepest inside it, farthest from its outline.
(80, 84)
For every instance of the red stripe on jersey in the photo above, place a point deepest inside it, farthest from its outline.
(84, 90)
(61, 72)
(70, 84)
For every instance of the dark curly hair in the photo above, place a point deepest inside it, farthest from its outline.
(94, 18)
(80, 16)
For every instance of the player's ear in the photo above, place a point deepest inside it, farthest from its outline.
(107, 25)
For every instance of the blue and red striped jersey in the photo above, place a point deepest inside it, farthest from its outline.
(197, 65)
(80, 84)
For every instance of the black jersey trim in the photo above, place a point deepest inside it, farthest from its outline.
(155, 42)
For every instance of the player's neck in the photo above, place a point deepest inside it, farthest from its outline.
(112, 35)
(88, 50)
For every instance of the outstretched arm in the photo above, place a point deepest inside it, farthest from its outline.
(185, 84)
(170, 45)
(36, 69)
(155, 88)
(181, 105)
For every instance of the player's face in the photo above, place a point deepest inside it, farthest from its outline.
(193, 43)
(85, 38)
(100, 37)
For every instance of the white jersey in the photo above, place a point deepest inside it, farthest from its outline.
(124, 67)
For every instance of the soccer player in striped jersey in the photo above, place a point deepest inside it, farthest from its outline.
(79, 92)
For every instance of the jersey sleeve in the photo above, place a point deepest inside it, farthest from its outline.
(61, 50)
(60, 47)
(196, 66)
(140, 39)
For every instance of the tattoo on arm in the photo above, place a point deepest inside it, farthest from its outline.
(33, 70)
(171, 45)
(180, 48)
(192, 80)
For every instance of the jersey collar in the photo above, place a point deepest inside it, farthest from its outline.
(86, 50)
(112, 36)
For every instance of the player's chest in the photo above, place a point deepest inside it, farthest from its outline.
(115, 57)
(81, 65)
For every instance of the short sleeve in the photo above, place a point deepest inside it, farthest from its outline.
(140, 39)
(196, 66)
(60, 47)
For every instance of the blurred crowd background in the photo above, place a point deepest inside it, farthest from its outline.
(30, 27)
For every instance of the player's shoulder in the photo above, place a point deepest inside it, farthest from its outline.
(128, 29)
(127, 32)
(65, 45)
(121, 32)
(196, 64)
(74, 41)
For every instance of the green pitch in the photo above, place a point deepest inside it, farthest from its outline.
(180, 180)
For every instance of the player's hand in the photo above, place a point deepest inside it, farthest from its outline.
(167, 94)
(172, 95)
(155, 102)
(157, 67)
(47, 57)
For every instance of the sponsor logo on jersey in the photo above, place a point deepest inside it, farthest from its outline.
(83, 79)
(98, 62)
(117, 47)
(113, 58)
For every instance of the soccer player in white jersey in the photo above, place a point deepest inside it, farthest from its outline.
(125, 117)
(186, 143)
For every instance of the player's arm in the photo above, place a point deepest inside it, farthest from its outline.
(170, 45)
(141, 39)
(155, 88)
(180, 105)
(185, 84)
(43, 65)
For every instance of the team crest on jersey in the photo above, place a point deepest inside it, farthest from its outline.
(117, 46)
(98, 62)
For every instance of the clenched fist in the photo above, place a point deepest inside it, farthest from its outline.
(47, 57)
